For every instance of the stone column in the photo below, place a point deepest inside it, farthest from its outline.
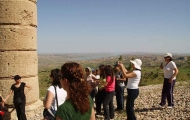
(18, 45)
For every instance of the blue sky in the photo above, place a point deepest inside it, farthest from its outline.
(113, 26)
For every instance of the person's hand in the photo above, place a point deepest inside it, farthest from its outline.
(170, 80)
(120, 64)
(101, 88)
(161, 65)
(97, 82)
(3, 103)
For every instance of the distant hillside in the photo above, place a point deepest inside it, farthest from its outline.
(54, 60)
(95, 59)
(151, 74)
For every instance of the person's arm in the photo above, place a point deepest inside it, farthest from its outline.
(174, 75)
(102, 88)
(121, 79)
(2, 103)
(105, 84)
(8, 96)
(161, 65)
(124, 70)
(125, 73)
(92, 117)
(29, 88)
(49, 99)
(130, 75)
(2, 98)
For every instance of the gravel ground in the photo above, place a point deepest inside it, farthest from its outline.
(146, 105)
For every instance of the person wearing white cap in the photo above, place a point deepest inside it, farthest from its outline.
(170, 71)
(132, 85)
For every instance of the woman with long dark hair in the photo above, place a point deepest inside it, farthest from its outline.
(101, 90)
(119, 88)
(55, 96)
(78, 104)
(110, 92)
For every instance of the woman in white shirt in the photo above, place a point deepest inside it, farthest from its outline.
(134, 77)
(170, 71)
(55, 96)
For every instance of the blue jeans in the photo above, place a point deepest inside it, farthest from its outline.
(108, 105)
(132, 95)
(119, 97)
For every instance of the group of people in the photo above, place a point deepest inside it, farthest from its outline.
(70, 97)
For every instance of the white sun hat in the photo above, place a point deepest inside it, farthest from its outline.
(137, 63)
(168, 55)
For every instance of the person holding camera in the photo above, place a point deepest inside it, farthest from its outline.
(119, 88)
(19, 98)
(134, 77)
(170, 71)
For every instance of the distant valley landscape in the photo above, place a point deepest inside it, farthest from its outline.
(151, 74)
(146, 105)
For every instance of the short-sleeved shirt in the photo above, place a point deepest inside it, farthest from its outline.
(111, 83)
(61, 96)
(119, 82)
(66, 111)
(169, 70)
(133, 83)
(18, 92)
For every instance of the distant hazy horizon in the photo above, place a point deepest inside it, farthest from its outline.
(114, 26)
(131, 53)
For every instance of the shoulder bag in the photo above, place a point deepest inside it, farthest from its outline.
(49, 114)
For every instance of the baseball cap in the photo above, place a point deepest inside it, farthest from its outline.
(168, 55)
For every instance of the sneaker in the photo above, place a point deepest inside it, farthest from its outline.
(160, 105)
(169, 107)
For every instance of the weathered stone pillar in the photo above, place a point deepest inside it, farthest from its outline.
(18, 45)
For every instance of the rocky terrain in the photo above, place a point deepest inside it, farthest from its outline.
(147, 108)
(146, 105)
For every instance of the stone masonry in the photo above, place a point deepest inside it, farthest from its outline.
(18, 46)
